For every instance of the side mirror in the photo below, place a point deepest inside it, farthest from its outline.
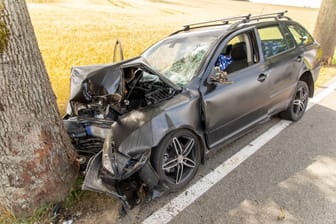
(219, 77)
(303, 39)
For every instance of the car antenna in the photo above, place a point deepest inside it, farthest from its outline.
(121, 53)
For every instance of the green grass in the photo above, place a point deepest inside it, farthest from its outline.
(43, 213)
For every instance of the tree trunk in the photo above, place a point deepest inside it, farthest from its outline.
(38, 164)
(325, 27)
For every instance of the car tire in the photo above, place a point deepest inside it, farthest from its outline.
(177, 159)
(299, 102)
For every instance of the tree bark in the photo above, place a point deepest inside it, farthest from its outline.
(38, 164)
(325, 27)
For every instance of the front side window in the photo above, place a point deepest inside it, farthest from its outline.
(272, 41)
(237, 54)
(301, 36)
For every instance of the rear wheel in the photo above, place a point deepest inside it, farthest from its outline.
(298, 104)
(177, 159)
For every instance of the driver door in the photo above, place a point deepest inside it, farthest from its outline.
(232, 106)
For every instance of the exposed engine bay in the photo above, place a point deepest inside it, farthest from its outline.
(95, 105)
(139, 88)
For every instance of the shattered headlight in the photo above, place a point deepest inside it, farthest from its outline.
(108, 153)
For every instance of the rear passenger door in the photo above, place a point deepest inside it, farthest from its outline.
(282, 63)
(309, 49)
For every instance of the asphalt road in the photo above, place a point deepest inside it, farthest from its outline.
(291, 179)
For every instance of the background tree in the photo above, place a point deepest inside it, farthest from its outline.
(38, 164)
(325, 27)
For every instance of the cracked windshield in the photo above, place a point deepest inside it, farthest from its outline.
(178, 59)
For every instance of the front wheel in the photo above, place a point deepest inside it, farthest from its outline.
(298, 105)
(177, 158)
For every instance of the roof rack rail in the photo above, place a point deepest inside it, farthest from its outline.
(223, 21)
(239, 20)
(275, 15)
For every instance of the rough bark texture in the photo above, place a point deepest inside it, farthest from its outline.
(38, 164)
(325, 27)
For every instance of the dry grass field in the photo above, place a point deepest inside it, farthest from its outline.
(81, 32)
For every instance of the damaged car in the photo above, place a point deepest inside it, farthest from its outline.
(143, 126)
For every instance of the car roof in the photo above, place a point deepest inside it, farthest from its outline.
(231, 24)
(218, 30)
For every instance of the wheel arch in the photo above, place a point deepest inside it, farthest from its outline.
(307, 77)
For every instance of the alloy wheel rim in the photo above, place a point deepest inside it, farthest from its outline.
(300, 101)
(179, 159)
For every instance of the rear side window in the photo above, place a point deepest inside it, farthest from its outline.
(272, 41)
(301, 36)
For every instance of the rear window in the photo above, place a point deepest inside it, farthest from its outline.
(301, 36)
(272, 41)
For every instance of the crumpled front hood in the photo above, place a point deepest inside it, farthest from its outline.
(105, 76)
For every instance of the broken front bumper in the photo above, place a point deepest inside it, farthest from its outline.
(94, 182)
(113, 173)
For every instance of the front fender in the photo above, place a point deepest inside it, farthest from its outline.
(183, 112)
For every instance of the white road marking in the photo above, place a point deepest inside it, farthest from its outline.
(187, 197)
(331, 87)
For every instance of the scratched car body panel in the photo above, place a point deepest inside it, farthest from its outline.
(144, 125)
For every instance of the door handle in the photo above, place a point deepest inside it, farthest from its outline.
(262, 77)
(299, 59)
